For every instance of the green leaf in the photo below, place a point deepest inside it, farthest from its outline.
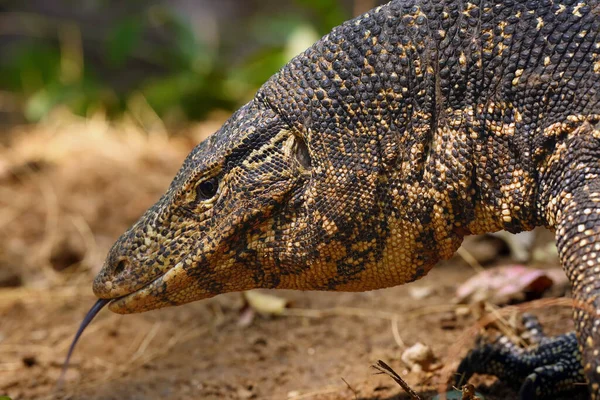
(29, 66)
(258, 68)
(38, 106)
(327, 13)
(5, 398)
(79, 97)
(185, 38)
(123, 39)
(189, 51)
(271, 31)
(168, 91)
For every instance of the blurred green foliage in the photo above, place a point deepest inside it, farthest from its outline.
(161, 57)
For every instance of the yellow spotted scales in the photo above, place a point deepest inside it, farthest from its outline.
(367, 158)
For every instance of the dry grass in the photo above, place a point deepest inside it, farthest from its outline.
(68, 187)
(67, 177)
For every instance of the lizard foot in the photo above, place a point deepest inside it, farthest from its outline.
(551, 367)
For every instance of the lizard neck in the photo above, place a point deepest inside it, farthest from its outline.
(423, 123)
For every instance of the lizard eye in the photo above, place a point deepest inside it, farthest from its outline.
(207, 189)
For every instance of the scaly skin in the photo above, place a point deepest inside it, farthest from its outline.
(369, 157)
(551, 366)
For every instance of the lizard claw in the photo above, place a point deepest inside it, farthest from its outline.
(543, 371)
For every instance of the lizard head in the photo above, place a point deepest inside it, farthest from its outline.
(215, 229)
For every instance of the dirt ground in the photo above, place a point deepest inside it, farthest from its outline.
(70, 187)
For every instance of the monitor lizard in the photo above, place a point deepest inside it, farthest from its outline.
(366, 159)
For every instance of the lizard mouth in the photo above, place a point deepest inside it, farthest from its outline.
(127, 304)
(170, 289)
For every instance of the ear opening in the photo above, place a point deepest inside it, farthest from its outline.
(300, 153)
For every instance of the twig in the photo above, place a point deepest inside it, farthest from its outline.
(396, 333)
(469, 259)
(51, 225)
(504, 326)
(144, 345)
(351, 389)
(84, 229)
(383, 368)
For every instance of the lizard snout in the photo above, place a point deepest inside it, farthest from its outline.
(129, 267)
(117, 277)
(138, 260)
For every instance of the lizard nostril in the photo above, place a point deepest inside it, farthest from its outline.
(120, 266)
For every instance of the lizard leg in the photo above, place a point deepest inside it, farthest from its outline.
(549, 380)
(534, 328)
(578, 242)
(569, 202)
(540, 372)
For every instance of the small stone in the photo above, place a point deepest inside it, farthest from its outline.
(462, 311)
(244, 393)
(420, 357)
(420, 292)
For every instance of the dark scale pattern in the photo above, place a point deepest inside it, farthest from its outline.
(536, 373)
(369, 157)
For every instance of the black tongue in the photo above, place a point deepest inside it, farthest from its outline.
(86, 321)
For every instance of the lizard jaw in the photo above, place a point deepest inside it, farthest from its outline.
(141, 299)
(127, 304)
(170, 289)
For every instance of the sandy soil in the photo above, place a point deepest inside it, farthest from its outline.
(70, 187)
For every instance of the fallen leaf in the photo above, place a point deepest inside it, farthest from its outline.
(265, 304)
(501, 285)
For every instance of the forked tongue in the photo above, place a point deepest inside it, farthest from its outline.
(86, 321)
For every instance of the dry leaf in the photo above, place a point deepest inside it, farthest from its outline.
(265, 304)
(501, 285)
